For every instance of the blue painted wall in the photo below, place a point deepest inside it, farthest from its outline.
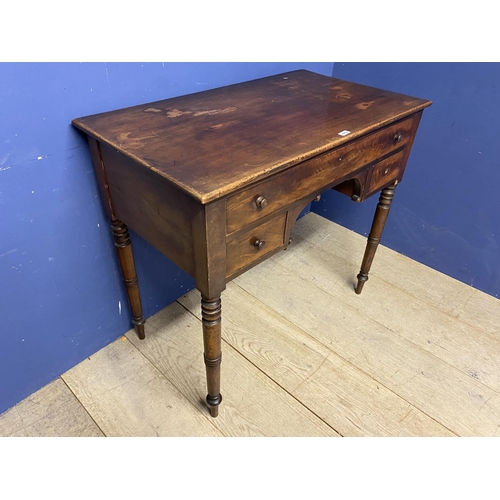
(61, 296)
(446, 212)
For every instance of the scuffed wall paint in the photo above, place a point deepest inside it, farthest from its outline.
(61, 294)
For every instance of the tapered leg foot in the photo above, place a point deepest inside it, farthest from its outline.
(379, 220)
(362, 279)
(126, 258)
(211, 319)
(139, 327)
(213, 405)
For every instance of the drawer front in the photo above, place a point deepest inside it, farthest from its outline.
(255, 243)
(386, 171)
(313, 175)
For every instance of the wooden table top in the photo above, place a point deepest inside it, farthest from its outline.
(213, 142)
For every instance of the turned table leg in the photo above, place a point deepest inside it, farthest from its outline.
(126, 258)
(211, 319)
(379, 220)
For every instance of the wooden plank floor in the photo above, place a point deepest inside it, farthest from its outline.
(416, 354)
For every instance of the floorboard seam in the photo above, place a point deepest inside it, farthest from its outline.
(82, 405)
(270, 378)
(174, 384)
(381, 277)
(350, 363)
(392, 331)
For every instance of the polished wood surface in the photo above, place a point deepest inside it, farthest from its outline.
(211, 143)
(379, 220)
(211, 321)
(127, 265)
(216, 180)
(255, 243)
(303, 356)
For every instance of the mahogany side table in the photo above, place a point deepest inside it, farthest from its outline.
(216, 180)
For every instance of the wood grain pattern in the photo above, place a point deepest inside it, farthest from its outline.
(215, 180)
(318, 174)
(53, 411)
(427, 284)
(278, 347)
(291, 219)
(371, 380)
(386, 172)
(246, 248)
(127, 396)
(209, 248)
(147, 203)
(100, 173)
(341, 394)
(355, 404)
(210, 144)
(253, 404)
(470, 349)
(402, 135)
(481, 311)
(436, 388)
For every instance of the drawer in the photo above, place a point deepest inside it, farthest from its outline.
(386, 171)
(312, 176)
(254, 244)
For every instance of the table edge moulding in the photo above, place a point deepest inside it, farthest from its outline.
(216, 180)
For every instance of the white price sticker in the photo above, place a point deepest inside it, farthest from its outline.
(344, 133)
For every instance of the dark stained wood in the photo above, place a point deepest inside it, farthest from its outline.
(377, 178)
(381, 214)
(209, 247)
(354, 186)
(155, 209)
(124, 249)
(315, 175)
(210, 144)
(216, 180)
(291, 219)
(254, 244)
(211, 320)
(121, 237)
(102, 182)
(386, 171)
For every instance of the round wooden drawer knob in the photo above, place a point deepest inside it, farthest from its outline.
(259, 244)
(398, 137)
(261, 201)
